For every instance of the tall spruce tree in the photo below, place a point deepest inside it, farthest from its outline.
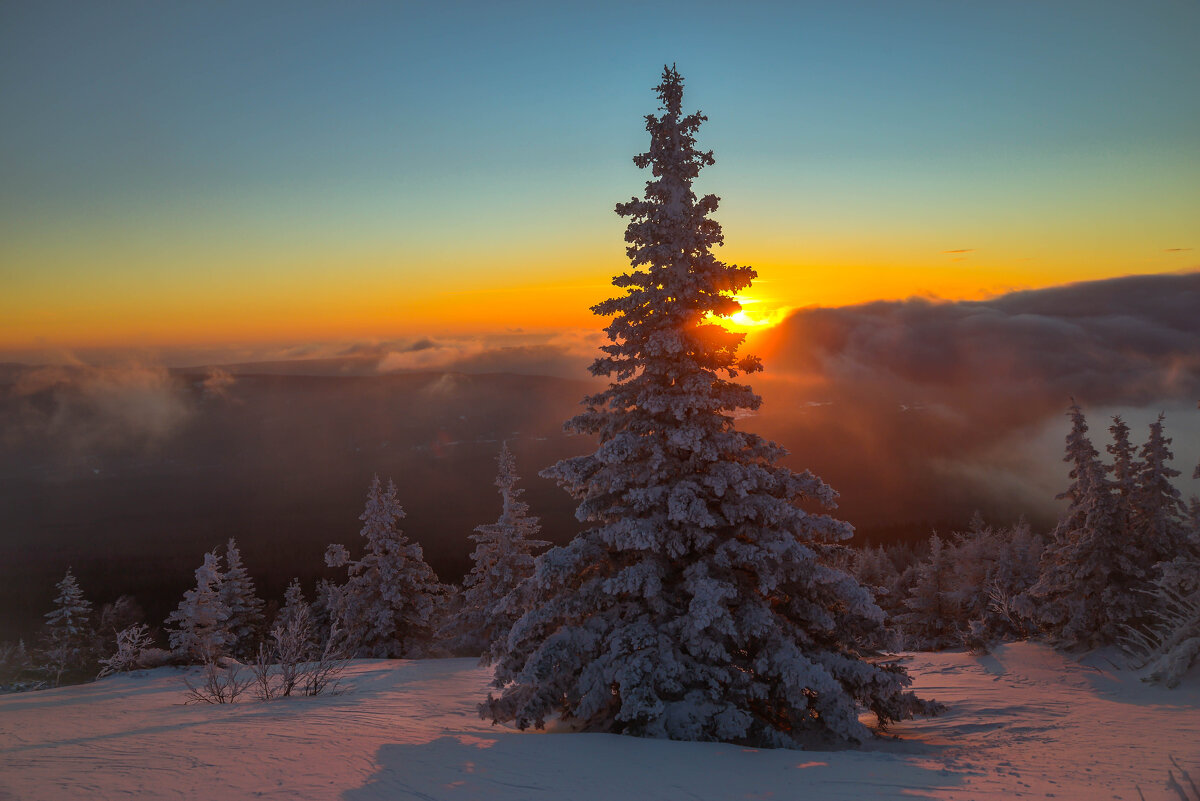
(503, 558)
(698, 605)
(391, 603)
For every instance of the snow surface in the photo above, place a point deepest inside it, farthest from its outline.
(1024, 722)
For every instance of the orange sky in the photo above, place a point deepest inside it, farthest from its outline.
(322, 301)
(165, 179)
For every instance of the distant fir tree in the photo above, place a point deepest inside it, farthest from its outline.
(15, 663)
(1194, 508)
(294, 605)
(296, 615)
(698, 606)
(1158, 514)
(1124, 471)
(320, 611)
(245, 621)
(503, 558)
(932, 616)
(1091, 576)
(198, 628)
(390, 605)
(1170, 638)
(68, 638)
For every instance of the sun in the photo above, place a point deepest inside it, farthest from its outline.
(756, 314)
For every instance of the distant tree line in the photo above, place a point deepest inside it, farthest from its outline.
(1122, 567)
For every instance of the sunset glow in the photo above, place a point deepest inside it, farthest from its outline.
(755, 314)
(156, 195)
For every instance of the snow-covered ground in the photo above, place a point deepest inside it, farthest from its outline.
(1024, 722)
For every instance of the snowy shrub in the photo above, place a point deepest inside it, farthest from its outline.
(133, 643)
(699, 605)
(223, 681)
(289, 663)
(391, 603)
(114, 618)
(1169, 644)
(322, 673)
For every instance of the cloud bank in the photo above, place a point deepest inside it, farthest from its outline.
(963, 399)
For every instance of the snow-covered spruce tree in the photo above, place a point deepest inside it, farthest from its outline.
(197, 629)
(932, 618)
(503, 558)
(15, 662)
(1170, 639)
(320, 612)
(1012, 568)
(245, 621)
(1158, 515)
(391, 602)
(68, 636)
(1090, 579)
(294, 605)
(697, 606)
(1124, 472)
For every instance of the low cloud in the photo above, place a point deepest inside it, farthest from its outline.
(82, 408)
(565, 355)
(217, 383)
(963, 400)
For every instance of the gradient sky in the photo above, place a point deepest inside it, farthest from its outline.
(181, 173)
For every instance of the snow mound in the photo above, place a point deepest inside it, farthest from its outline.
(1024, 722)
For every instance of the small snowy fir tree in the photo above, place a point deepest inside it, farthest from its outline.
(1170, 641)
(1012, 563)
(1124, 471)
(15, 662)
(320, 612)
(1158, 515)
(245, 622)
(296, 616)
(1091, 581)
(390, 605)
(294, 605)
(698, 606)
(502, 560)
(68, 636)
(932, 616)
(198, 627)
